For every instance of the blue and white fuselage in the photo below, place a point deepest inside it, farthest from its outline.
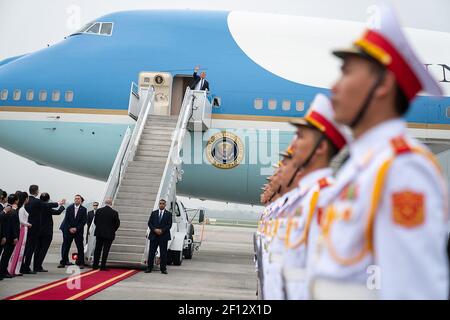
(66, 106)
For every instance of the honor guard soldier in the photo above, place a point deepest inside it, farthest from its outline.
(318, 140)
(383, 232)
(276, 249)
(266, 224)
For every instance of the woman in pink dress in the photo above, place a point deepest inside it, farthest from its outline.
(16, 259)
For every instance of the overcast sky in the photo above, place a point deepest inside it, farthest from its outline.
(26, 26)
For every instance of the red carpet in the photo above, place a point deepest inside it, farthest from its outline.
(76, 287)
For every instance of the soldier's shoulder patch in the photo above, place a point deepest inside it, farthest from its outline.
(400, 145)
(408, 208)
(323, 183)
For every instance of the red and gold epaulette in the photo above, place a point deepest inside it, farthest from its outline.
(323, 183)
(400, 145)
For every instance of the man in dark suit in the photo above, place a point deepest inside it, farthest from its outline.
(34, 208)
(107, 222)
(45, 236)
(200, 82)
(159, 223)
(72, 228)
(3, 199)
(10, 234)
(90, 218)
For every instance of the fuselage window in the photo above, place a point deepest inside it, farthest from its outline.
(4, 94)
(106, 29)
(258, 104)
(56, 95)
(69, 96)
(30, 95)
(448, 112)
(272, 104)
(16, 95)
(94, 29)
(42, 95)
(286, 106)
(300, 105)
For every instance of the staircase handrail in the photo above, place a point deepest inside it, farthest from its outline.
(172, 169)
(126, 152)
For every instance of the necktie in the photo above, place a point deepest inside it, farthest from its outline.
(160, 215)
(76, 211)
(201, 84)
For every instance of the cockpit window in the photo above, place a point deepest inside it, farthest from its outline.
(85, 27)
(106, 28)
(99, 28)
(94, 29)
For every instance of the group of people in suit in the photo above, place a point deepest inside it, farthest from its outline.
(26, 225)
(26, 231)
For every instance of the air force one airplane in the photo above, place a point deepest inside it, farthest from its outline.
(66, 106)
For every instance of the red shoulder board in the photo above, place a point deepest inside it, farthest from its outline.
(400, 145)
(323, 183)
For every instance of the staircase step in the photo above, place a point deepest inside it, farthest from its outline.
(156, 126)
(154, 170)
(155, 163)
(132, 232)
(158, 130)
(132, 220)
(148, 137)
(135, 195)
(129, 211)
(143, 173)
(141, 240)
(146, 190)
(126, 248)
(162, 119)
(117, 257)
(152, 153)
(135, 203)
(153, 147)
(140, 225)
(151, 158)
(142, 184)
(160, 143)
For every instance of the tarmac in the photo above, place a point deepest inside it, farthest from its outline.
(223, 268)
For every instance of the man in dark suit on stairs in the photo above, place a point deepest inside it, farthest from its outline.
(106, 222)
(159, 223)
(200, 82)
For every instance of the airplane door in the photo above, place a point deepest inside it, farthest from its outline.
(162, 84)
(180, 83)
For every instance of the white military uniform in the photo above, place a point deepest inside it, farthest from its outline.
(302, 230)
(276, 249)
(267, 226)
(384, 228)
(304, 210)
(383, 233)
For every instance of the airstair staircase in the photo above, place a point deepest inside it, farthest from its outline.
(147, 168)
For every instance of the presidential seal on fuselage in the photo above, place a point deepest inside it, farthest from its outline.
(225, 150)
